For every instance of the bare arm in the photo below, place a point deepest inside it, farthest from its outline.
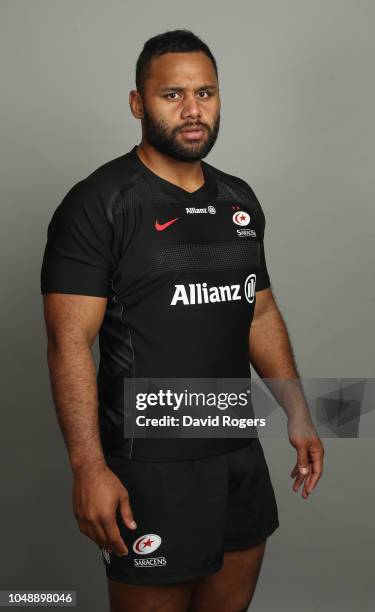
(272, 357)
(72, 323)
(270, 349)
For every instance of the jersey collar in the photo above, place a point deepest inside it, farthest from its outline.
(206, 192)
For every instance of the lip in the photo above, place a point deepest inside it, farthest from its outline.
(193, 133)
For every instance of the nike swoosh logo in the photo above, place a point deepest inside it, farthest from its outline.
(162, 226)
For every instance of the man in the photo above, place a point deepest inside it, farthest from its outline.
(182, 523)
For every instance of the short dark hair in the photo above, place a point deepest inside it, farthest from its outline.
(172, 41)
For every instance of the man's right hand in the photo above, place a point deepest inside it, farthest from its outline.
(97, 492)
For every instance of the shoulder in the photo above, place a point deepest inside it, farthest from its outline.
(97, 193)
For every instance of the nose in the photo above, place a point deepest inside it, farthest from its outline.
(191, 107)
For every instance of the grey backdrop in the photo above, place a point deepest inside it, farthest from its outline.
(297, 91)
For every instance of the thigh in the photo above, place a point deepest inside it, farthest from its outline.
(135, 598)
(231, 588)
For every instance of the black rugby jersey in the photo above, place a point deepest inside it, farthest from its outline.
(180, 271)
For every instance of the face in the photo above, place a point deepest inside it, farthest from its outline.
(181, 105)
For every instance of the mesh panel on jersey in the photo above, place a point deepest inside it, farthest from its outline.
(132, 196)
(206, 257)
(127, 200)
(225, 192)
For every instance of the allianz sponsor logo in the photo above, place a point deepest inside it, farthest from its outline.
(150, 562)
(201, 293)
(193, 211)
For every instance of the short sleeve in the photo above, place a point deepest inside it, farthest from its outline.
(78, 256)
(263, 279)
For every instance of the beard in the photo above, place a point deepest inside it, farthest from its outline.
(160, 136)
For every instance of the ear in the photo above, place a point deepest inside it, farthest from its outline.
(136, 104)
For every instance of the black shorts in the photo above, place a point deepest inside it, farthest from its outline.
(188, 513)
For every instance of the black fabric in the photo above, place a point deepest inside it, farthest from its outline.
(78, 257)
(195, 511)
(102, 241)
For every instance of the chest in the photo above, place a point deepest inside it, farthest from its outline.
(167, 240)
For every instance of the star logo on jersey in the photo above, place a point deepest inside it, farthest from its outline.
(146, 544)
(241, 218)
(162, 226)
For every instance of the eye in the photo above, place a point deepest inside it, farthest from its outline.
(204, 92)
(171, 93)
